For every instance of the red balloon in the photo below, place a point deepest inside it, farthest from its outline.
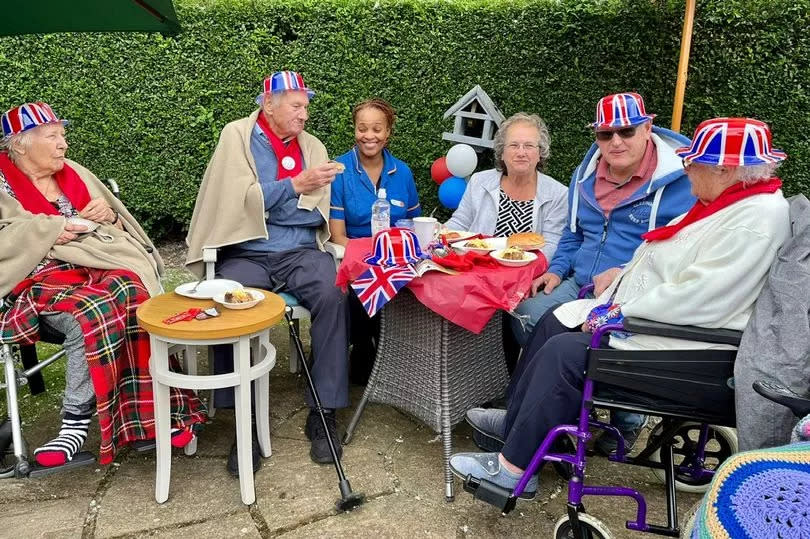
(438, 170)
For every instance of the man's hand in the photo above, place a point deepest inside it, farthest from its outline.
(99, 211)
(602, 281)
(547, 282)
(312, 179)
(70, 233)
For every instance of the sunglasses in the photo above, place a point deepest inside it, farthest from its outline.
(624, 132)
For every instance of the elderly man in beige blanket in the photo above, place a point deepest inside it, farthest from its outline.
(264, 202)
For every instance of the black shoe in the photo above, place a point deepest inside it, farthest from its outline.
(233, 457)
(319, 451)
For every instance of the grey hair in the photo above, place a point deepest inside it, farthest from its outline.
(534, 120)
(749, 175)
(11, 143)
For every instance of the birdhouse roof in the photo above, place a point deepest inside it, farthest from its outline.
(477, 93)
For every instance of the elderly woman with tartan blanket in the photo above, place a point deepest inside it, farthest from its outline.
(66, 240)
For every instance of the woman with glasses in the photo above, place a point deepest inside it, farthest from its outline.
(515, 196)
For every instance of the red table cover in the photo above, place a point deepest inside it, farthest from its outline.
(468, 299)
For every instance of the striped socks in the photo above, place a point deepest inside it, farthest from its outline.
(71, 437)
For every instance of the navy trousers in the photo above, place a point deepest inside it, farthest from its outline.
(309, 275)
(546, 387)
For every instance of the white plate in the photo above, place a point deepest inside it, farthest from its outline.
(257, 297)
(90, 225)
(493, 244)
(207, 289)
(528, 258)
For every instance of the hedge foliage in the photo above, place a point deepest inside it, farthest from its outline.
(148, 109)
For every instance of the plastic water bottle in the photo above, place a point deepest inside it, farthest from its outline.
(380, 213)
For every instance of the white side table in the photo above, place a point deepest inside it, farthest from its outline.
(247, 330)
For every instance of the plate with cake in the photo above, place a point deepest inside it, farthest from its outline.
(513, 256)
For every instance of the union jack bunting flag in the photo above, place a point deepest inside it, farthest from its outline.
(377, 285)
(27, 117)
(282, 81)
(621, 110)
(732, 142)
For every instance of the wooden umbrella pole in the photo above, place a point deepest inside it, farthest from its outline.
(683, 65)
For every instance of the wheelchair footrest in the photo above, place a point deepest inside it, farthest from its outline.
(489, 492)
(83, 458)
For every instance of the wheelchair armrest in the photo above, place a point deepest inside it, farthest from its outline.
(798, 404)
(690, 333)
(586, 288)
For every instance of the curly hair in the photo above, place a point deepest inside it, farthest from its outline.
(376, 103)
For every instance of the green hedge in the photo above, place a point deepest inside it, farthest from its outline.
(147, 110)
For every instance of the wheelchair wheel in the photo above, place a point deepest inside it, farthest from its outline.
(592, 528)
(721, 444)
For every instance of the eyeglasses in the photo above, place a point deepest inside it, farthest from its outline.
(528, 146)
(624, 132)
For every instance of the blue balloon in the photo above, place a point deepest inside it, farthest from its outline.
(450, 192)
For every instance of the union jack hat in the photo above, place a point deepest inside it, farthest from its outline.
(283, 81)
(732, 142)
(621, 110)
(395, 247)
(26, 117)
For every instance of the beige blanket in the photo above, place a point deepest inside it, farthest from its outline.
(26, 239)
(230, 204)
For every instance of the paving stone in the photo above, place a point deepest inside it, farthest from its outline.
(200, 490)
(52, 519)
(228, 527)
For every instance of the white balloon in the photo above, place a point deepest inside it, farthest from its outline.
(462, 160)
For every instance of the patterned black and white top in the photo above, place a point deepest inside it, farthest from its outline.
(513, 215)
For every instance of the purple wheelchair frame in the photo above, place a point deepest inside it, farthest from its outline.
(577, 489)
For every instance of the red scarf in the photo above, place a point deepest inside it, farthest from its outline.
(284, 152)
(699, 211)
(29, 196)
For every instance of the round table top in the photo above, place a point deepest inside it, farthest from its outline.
(229, 323)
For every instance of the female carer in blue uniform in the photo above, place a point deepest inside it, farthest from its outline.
(369, 166)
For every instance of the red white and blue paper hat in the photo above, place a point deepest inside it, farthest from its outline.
(732, 142)
(28, 116)
(395, 247)
(283, 81)
(621, 110)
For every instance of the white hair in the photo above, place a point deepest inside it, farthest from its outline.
(13, 143)
(543, 140)
(752, 174)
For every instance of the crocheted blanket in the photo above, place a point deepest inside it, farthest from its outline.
(117, 349)
(759, 494)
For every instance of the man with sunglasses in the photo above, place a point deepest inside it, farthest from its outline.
(629, 182)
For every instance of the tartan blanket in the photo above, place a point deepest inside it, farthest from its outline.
(117, 349)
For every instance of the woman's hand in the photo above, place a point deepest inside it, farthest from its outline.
(99, 211)
(70, 233)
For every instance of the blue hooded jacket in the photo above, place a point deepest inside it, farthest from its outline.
(591, 242)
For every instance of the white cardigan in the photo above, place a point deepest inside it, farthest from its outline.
(478, 210)
(709, 274)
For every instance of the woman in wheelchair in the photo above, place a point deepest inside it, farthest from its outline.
(76, 262)
(705, 268)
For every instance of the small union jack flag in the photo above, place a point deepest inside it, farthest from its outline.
(27, 117)
(621, 110)
(378, 285)
(732, 142)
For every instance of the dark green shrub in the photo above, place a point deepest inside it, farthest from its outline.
(148, 110)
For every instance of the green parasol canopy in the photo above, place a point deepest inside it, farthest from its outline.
(45, 16)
